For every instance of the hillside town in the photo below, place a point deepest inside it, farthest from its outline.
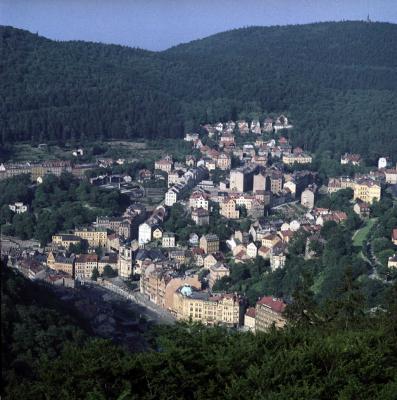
(241, 196)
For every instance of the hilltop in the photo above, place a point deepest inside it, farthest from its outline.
(337, 82)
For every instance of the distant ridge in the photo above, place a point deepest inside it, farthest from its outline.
(337, 81)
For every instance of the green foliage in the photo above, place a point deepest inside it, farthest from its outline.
(95, 274)
(327, 77)
(58, 204)
(109, 272)
(335, 351)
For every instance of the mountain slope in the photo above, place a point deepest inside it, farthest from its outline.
(336, 81)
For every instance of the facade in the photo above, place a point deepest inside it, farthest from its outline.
(225, 309)
(307, 199)
(252, 250)
(217, 271)
(224, 161)
(391, 176)
(367, 191)
(85, 264)
(125, 267)
(228, 209)
(94, 237)
(209, 243)
(145, 233)
(290, 159)
(201, 216)
(168, 240)
(65, 240)
(268, 313)
(249, 319)
(18, 208)
(62, 263)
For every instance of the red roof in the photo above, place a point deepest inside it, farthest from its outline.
(394, 234)
(251, 312)
(276, 305)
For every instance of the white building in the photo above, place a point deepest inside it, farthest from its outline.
(252, 250)
(277, 261)
(307, 199)
(18, 208)
(171, 197)
(144, 233)
(125, 262)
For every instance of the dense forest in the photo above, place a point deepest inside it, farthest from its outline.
(336, 81)
(335, 351)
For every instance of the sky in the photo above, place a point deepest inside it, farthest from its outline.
(159, 24)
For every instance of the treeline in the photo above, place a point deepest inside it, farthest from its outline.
(336, 81)
(337, 351)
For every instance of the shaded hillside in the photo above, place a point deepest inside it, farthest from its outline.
(336, 353)
(336, 81)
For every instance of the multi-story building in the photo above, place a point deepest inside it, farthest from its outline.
(367, 190)
(145, 232)
(269, 312)
(290, 159)
(165, 164)
(242, 179)
(307, 198)
(65, 240)
(249, 319)
(168, 240)
(171, 196)
(198, 306)
(18, 208)
(228, 209)
(391, 176)
(217, 271)
(209, 243)
(60, 262)
(110, 259)
(200, 216)
(199, 199)
(336, 184)
(224, 161)
(94, 237)
(85, 264)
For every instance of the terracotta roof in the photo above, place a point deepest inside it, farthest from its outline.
(251, 312)
(276, 305)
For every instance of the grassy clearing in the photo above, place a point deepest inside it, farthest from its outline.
(361, 235)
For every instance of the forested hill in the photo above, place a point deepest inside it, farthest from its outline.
(336, 81)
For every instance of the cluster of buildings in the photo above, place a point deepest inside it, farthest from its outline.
(182, 278)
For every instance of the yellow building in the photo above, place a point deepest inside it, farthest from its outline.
(64, 240)
(197, 306)
(270, 240)
(367, 190)
(94, 237)
(228, 209)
